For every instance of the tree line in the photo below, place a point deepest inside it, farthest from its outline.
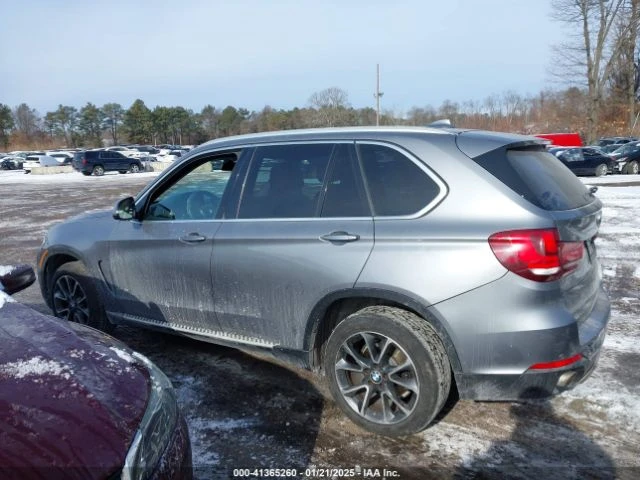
(597, 67)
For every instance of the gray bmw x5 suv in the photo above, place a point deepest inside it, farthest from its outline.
(399, 262)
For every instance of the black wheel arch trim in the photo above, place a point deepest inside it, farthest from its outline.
(45, 275)
(400, 299)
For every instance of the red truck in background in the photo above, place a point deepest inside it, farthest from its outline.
(562, 139)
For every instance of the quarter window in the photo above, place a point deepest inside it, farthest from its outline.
(285, 181)
(396, 184)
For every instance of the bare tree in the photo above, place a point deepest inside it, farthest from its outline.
(332, 105)
(591, 49)
(26, 121)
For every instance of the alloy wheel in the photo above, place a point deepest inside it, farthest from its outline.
(377, 378)
(70, 300)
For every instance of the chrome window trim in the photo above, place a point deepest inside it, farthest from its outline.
(444, 189)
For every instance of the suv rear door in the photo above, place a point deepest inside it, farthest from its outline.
(303, 229)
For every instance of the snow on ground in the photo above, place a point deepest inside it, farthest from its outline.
(244, 412)
(18, 177)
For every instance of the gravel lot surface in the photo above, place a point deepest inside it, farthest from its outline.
(249, 412)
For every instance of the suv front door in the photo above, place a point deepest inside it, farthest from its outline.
(160, 264)
(303, 229)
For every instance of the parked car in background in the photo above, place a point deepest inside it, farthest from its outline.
(627, 158)
(146, 149)
(10, 162)
(585, 161)
(36, 161)
(63, 157)
(173, 155)
(126, 151)
(397, 261)
(608, 149)
(76, 403)
(97, 162)
(604, 141)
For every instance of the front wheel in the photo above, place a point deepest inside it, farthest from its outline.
(74, 297)
(601, 170)
(134, 168)
(388, 370)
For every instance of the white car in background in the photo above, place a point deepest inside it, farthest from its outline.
(34, 161)
(126, 151)
(63, 157)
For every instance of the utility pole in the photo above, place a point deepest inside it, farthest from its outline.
(378, 94)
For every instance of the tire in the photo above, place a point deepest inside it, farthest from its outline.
(134, 168)
(601, 170)
(98, 170)
(632, 168)
(75, 298)
(364, 384)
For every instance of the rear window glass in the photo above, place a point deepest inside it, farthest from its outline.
(537, 176)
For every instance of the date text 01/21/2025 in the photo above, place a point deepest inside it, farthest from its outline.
(316, 473)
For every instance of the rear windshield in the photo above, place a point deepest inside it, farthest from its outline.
(537, 176)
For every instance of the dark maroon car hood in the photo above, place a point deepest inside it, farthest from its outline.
(71, 398)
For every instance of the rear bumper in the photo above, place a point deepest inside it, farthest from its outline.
(544, 383)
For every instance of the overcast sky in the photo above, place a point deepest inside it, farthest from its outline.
(251, 53)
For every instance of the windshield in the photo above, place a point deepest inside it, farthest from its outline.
(626, 149)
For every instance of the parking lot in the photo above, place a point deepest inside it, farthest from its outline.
(246, 412)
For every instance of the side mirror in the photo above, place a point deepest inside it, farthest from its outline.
(15, 279)
(125, 209)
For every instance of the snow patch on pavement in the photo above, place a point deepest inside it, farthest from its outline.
(4, 298)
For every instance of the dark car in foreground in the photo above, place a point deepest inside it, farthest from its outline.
(585, 161)
(97, 162)
(76, 403)
(399, 262)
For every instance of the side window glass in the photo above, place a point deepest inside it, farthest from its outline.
(396, 184)
(285, 181)
(344, 195)
(196, 194)
(573, 155)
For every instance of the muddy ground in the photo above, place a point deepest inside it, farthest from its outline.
(249, 412)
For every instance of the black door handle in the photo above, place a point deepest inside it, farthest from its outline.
(193, 237)
(340, 237)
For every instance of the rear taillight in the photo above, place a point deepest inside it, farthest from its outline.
(84, 160)
(538, 255)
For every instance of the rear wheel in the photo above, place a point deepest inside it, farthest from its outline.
(134, 168)
(98, 170)
(74, 297)
(601, 170)
(387, 370)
